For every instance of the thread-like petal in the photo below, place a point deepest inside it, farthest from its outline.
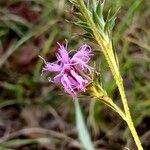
(67, 86)
(82, 82)
(83, 53)
(67, 71)
(62, 54)
(82, 57)
(51, 67)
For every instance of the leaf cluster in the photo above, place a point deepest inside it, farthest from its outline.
(95, 9)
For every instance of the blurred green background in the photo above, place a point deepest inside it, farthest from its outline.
(37, 115)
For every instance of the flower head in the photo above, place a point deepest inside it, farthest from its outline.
(68, 70)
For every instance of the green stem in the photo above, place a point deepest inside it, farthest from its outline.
(128, 117)
(113, 106)
(107, 100)
(108, 53)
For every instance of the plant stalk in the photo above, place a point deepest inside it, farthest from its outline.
(128, 116)
(106, 47)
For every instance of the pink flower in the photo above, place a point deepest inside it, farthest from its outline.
(68, 69)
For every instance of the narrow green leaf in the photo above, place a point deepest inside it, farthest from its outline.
(80, 16)
(84, 26)
(81, 128)
(97, 20)
(91, 4)
(14, 47)
(17, 142)
(110, 21)
(88, 36)
(115, 54)
(99, 9)
(73, 2)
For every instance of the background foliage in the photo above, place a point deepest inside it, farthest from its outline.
(38, 115)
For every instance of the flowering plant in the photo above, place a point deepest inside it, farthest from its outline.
(91, 19)
(70, 70)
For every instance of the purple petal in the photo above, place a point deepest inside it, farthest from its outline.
(82, 57)
(66, 69)
(57, 79)
(81, 82)
(67, 86)
(83, 53)
(51, 67)
(62, 55)
(74, 83)
(76, 76)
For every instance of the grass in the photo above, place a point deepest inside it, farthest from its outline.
(22, 87)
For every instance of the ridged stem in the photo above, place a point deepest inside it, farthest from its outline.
(128, 117)
(108, 53)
